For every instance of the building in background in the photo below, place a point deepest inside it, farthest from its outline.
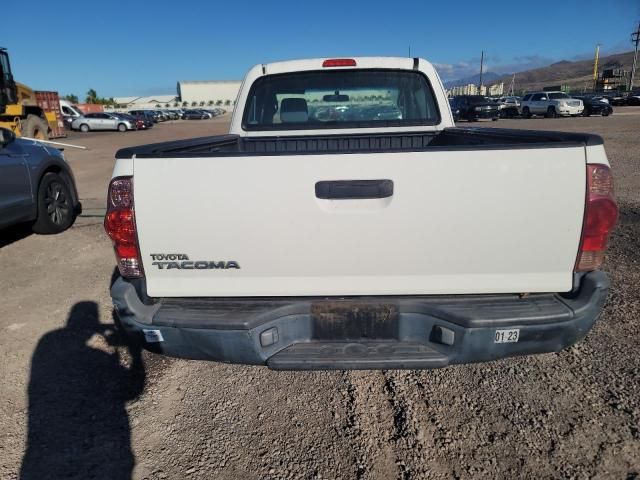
(496, 90)
(208, 92)
(472, 89)
(190, 94)
(613, 79)
(145, 103)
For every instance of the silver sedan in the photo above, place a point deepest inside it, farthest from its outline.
(102, 121)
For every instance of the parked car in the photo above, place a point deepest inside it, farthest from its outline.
(633, 99)
(390, 243)
(172, 114)
(194, 115)
(102, 121)
(454, 111)
(509, 106)
(615, 98)
(36, 185)
(147, 118)
(161, 116)
(206, 113)
(594, 106)
(152, 114)
(474, 107)
(550, 104)
(138, 122)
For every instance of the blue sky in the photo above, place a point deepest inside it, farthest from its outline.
(142, 47)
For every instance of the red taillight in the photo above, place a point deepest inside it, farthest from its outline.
(601, 214)
(120, 225)
(339, 62)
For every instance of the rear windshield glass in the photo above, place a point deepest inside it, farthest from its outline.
(340, 99)
(556, 96)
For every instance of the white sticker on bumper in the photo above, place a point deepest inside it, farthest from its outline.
(153, 336)
(507, 336)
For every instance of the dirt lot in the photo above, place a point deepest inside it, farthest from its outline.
(76, 403)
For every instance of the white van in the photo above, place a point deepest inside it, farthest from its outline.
(70, 112)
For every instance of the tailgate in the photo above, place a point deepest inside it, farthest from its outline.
(455, 222)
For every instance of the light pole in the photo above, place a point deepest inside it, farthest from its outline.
(635, 38)
(481, 65)
(595, 68)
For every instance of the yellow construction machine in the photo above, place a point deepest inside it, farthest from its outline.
(19, 109)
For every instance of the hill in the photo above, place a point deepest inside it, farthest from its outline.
(577, 74)
(488, 78)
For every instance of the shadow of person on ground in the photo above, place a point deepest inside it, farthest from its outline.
(78, 426)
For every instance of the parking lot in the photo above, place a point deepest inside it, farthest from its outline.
(91, 402)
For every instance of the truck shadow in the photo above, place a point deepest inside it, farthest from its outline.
(14, 233)
(78, 426)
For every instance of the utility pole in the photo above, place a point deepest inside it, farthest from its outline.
(513, 85)
(595, 67)
(481, 65)
(635, 38)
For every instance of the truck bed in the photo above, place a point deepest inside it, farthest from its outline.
(448, 139)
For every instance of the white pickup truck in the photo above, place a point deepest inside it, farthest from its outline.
(345, 222)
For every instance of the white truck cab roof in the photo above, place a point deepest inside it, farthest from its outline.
(350, 63)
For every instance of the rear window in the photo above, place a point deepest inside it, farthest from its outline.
(340, 99)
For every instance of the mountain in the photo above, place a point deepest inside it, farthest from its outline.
(577, 74)
(488, 78)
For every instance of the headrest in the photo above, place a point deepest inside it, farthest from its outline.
(293, 110)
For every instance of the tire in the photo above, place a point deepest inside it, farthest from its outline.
(606, 113)
(585, 113)
(55, 205)
(551, 112)
(526, 113)
(122, 127)
(84, 128)
(34, 127)
(494, 119)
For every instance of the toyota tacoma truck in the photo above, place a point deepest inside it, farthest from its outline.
(345, 222)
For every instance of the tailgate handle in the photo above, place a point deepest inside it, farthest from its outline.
(354, 189)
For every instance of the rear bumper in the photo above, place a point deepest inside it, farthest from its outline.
(570, 110)
(360, 333)
(485, 114)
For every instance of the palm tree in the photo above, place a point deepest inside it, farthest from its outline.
(219, 102)
(227, 102)
(71, 98)
(176, 104)
(166, 105)
(194, 104)
(202, 103)
(210, 103)
(92, 96)
(185, 104)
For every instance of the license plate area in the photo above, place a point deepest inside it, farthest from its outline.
(354, 320)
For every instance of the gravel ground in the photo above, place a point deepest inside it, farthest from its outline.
(77, 403)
